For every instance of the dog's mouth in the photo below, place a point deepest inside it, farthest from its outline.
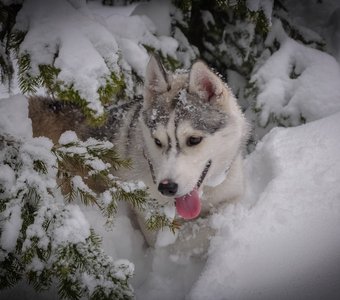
(189, 205)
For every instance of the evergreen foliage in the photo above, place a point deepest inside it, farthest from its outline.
(232, 37)
(269, 45)
(7, 41)
(156, 219)
(225, 32)
(47, 248)
(57, 89)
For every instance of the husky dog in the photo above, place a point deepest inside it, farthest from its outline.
(185, 139)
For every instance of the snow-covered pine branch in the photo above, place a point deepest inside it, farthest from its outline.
(44, 236)
(85, 173)
(44, 239)
(77, 50)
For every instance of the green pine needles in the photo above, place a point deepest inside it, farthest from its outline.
(84, 170)
(7, 41)
(47, 78)
(43, 238)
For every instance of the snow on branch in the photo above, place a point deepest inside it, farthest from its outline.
(44, 238)
(86, 53)
(296, 84)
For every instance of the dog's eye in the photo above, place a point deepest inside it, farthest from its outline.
(194, 140)
(158, 142)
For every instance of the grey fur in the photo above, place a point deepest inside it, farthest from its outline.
(202, 115)
(156, 114)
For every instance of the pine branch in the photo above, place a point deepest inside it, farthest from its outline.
(160, 221)
(39, 255)
(12, 271)
(28, 83)
(7, 21)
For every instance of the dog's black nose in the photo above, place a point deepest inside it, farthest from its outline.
(168, 187)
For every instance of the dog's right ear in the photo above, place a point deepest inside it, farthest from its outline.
(156, 78)
(204, 83)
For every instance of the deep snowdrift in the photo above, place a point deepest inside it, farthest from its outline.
(282, 241)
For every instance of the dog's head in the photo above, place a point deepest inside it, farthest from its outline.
(192, 130)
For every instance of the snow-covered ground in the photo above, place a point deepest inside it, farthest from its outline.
(282, 241)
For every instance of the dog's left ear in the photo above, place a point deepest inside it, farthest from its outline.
(156, 78)
(205, 83)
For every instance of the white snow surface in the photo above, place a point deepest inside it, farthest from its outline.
(282, 241)
(14, 110)
(313, 92)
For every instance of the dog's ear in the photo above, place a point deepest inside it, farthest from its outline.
(156, 78)
(205, 83)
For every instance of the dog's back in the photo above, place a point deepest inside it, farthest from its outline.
(51, 118)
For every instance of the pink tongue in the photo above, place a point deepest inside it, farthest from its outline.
(189, 205)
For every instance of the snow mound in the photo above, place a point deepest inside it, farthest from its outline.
(14, 110)
(282, 241)
(297, 83)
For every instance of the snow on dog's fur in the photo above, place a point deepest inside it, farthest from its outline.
(185, 139)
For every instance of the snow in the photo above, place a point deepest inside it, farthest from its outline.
(207, 18)
(11, 229)
(68, 137)
(80, 185)
(67, 34)
(56, 27)
(280, 242)
(142, 26)
(131, 186)
(14, 110)
(75, 228)
(124, 269)
(265, 5)
(165, 236)
(311, 93)
(159, 12)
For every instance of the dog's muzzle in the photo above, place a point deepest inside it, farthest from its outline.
(168, 187)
